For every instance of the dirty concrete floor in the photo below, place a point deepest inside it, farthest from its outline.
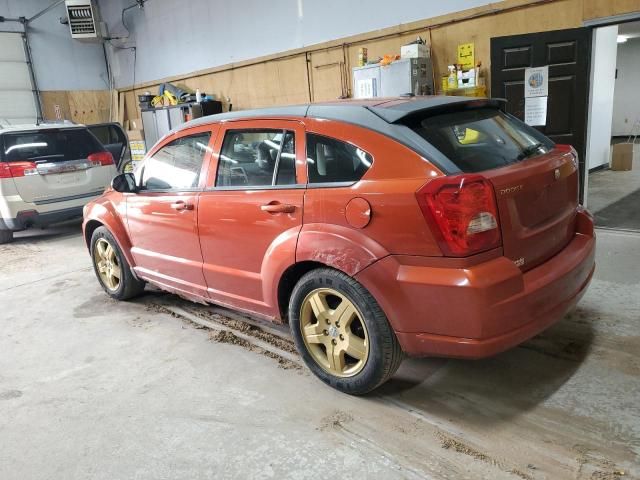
(92, 388)
(608, 186)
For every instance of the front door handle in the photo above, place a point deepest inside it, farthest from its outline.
(180, 206)
(278, 208)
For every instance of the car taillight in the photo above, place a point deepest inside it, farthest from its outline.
(17, 169)
(100, 159)
(462, 213)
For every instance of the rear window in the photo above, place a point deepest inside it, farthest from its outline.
(49, 145)
(481, 139)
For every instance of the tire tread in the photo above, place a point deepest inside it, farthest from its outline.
(391, 351)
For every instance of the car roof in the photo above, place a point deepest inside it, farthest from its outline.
(391, 110)
(30, 127)
(381, 115)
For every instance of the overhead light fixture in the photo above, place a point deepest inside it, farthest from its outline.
(622, 39)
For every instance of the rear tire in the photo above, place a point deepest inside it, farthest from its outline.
(6, 236)
(111, 267)
(341, 332)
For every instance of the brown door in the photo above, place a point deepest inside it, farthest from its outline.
(568, 54)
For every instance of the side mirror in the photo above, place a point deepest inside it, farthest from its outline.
(124, 183)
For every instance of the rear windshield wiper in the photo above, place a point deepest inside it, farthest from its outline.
(530, 150)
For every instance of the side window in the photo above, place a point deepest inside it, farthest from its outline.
(330, 160)
(257, 158)
(177, 165)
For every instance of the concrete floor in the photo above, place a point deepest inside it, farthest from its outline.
(92, 388)
(608, 186)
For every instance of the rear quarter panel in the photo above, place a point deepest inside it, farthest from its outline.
(396, 224)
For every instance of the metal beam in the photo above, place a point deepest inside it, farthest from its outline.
(34, 84)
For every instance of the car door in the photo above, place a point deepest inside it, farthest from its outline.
(113, 138)
(162, 217)
(251, 211)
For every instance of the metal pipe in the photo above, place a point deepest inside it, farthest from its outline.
(34, 84)
(42, 12)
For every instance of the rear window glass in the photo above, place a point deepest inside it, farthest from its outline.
(481, 139)
(49, 145)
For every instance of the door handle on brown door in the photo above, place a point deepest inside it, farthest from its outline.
(180, 205)
(278, 208)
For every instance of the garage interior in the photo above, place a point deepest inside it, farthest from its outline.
(157, 387)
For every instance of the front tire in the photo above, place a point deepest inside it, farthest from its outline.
(342, 333)
(111, 267)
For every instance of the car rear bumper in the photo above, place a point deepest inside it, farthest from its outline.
(480, 310)
(32, 218)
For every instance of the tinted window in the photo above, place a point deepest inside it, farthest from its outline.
(106, 134)
(177, 165)
(249, 158)
(330, 160)
(481, 139)
(49, 145)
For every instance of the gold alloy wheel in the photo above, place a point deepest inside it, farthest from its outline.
(107, 264)
(334, 333)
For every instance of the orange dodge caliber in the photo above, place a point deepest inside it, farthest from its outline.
(426, 226)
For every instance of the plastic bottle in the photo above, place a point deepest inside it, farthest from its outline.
(198, 95)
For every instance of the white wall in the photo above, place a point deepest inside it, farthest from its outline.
(626, 105)
(60, 63)
(176, 37)
(603, 71)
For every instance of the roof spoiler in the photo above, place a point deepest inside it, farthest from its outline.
(405, 111)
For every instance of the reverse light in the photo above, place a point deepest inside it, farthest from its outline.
(100, 159)
(462, 213)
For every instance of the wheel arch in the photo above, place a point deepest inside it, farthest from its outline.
(326, 246)
(104, 215)
(288, 281)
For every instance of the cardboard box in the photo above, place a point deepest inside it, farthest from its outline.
(135, 135)
(135, 124)
(623, 155)
(415, 50)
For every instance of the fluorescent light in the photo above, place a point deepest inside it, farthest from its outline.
(622, 39)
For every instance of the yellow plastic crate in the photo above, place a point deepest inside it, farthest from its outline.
(467, 92)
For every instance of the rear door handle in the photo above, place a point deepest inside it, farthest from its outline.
(180, 206)
(278, 208)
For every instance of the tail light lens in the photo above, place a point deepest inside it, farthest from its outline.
(100, 159)
(17, 169)
(462, 213)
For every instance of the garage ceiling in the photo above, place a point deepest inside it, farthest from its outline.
(17, 100)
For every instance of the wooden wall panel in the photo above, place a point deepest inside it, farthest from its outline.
(52, 98)
(607, 8)
(329, 75)
(80, 106)
(277, 82)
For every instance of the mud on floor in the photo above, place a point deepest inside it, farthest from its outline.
(226, 336)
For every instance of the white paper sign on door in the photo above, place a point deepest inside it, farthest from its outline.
(535, 111)
(536, 82)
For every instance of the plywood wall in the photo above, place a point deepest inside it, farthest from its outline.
(323, 72)
(606, 8)
(80, 106)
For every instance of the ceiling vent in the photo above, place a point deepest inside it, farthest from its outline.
(82, 20)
